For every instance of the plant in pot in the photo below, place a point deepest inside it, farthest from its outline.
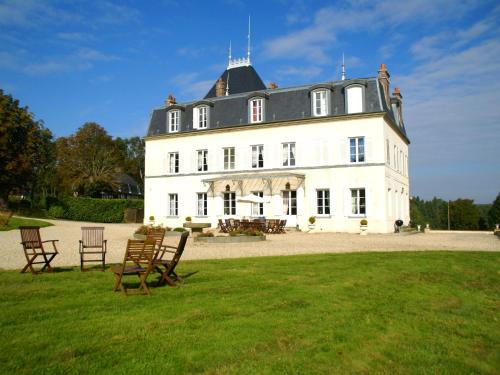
(312, 222)
(141, 232)
(363, 226)
(151, 220)
(188, 219)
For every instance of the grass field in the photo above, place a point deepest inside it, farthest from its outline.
(394, 313)
(16, 222)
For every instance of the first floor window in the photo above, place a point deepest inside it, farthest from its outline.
(173, 120)
(173, 205)
(288, 154)
(290, 202)
(258, 156)
(173, 162)
(202, 204)
(258, 208)
(256, 110)
(357, 149)
(230, 203)
(202, 160)
(358, 202)
(229, 157)
(323, 201)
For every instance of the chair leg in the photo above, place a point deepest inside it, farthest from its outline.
(103, 262)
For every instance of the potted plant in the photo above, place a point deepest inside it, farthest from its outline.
(151, 220)
(188, 219)
(363, 227)
(141, 232)
(312, 222)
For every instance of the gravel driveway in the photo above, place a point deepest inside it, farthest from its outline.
(68, 233)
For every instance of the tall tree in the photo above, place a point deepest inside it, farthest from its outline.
(464, 215)
(25, 146)
(494, 213)
(132, 156)
(87, 157)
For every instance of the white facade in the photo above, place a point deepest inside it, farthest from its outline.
(327, 184)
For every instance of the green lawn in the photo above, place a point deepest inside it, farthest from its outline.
(16, 222)
(393, 313)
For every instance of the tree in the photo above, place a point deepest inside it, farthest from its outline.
(494, 212)
(25, 147)
(86, 157)
(464, 215)
(132, 156)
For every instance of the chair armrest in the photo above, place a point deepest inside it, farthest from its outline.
(50, 241)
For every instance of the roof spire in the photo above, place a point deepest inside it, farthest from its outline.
(229, 58)
(227, 84)
(343, 67)
(248, 48)
(244, 61)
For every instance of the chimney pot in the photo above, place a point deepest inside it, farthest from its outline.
(220, 87)
(272, 85)
(170, 100)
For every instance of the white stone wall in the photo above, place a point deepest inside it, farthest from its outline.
(322, 155)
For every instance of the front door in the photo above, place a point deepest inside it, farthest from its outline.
(289, 204)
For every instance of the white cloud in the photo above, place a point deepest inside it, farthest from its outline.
(90, 54)
(190, 86)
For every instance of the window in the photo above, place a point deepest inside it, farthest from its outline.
(388, 152)
(357, 149)
(288, 154)
(258, 156)
(202, 205)
(290, 202)
(229, 158)
(323, 201)
(258, 208)
(173, 162)
(202, 160)
(256, 110)
(354, 99)
(173, 205)
(200, 117)
(173, 121)
(358, 202)
(230, 203)
(319, 103)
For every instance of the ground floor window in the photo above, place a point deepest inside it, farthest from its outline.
(173, 205)
(358, 201)
(229, 203)
(202, 204)
(258, 208)
(323, 201)
(290, 202)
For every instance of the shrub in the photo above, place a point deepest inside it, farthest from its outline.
(57, 212)
(312, 220)
(248, 232)
(363, 222)
(188, 218)
(179, 229)
(151, 218)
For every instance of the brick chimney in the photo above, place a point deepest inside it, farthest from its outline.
(170, 100)
(385, 79)
(220, 87)
(272, 85)
(397, 99)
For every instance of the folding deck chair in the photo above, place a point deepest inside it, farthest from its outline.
(156, 234)
(33, 249)
(222, 226)
(138, 261)
(169, 265)
(94, 245)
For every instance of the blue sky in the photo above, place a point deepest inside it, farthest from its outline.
(113, 61)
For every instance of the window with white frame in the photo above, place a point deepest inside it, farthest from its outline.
(202, 161)
(323, 201)
(358, 202)
(354, 99)
(173, 162)
(200, 117)
(258, 156)
(202, 204)
(229, 203)
(320, 103)
(256, 110)
(174, 120)
(288, 154)
(290, 202)
(229, 158)
(173, 205)
(258, 207)
(357, 149)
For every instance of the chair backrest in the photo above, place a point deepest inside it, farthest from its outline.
(140, 252)
(92, 236)
(156, 234)
(178, 253)
(30, 237)
(222, 226)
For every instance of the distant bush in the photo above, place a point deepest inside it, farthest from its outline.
(179, 229)
(57, 212)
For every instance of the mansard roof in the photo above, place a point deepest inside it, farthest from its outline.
(240, 79)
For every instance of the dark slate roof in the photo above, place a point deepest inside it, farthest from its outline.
(241, 79)
(283, 104)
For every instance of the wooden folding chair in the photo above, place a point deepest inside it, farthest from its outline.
(138, 261)
(33, 249)
(156, 234)
(94, 245)
(282, 224)
(222, 226)
(168, 270)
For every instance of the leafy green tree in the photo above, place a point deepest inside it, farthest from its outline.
(464, 215)
(25, 148)
(416, 215)
(494, 212)
(132, 156)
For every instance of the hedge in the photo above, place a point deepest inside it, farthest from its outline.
(93, 209)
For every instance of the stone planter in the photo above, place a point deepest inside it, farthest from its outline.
(196, 227)
(363, 230)
(230, 239)
(172, 233)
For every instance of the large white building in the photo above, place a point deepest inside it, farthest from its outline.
(337, 151)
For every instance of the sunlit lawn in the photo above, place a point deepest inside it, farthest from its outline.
(408, 312)
(16, 222)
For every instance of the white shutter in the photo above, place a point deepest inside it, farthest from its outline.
(312, 201)
(277, 203)
(195, 118)
(344, 151)
(369, 151)
(218, 204)
(347, 202)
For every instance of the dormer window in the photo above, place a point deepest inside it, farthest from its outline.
(354, 99)
(256, 110)
(200, 117)
(319, 103)
(174, 120)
